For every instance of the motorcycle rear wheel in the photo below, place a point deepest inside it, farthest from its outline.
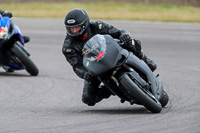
(25, 60)
(140, 95)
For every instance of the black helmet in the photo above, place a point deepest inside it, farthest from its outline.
(77, 22)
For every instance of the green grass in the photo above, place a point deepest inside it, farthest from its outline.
(106, 10)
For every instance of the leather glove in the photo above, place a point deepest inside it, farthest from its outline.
(8, 14)
(126, 38)
(87, 76)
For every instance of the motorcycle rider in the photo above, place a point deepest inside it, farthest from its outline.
(9, 14)
(79, 31)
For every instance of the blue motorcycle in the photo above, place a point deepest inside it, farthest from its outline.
(13, 53)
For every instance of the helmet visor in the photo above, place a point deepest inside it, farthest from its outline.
(75, 30)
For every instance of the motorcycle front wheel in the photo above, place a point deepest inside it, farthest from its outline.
(164, 100)
(145, 98)
(25, 60)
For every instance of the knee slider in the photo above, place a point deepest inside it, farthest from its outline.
(88, 100)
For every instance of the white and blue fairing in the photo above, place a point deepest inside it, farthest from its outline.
(5, 22)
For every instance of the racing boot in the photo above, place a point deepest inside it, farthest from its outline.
(152, 65)
(26, 39)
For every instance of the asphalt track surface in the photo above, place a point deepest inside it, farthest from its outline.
(51, 102)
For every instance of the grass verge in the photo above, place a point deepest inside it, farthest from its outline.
(106, 10)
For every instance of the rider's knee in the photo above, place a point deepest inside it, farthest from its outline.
(88, 100)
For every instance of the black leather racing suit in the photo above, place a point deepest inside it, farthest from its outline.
(72, 49)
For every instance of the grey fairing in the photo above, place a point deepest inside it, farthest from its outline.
(112, 55)
(141, 66)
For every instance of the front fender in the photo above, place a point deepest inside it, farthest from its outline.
(141, 66)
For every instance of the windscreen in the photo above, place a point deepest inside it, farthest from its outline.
(95, 48)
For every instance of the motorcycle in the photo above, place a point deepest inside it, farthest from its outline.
(123, 73)
(13, 53)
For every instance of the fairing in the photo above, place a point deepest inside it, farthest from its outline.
(140, 65)
(96, 62)
(4, 26)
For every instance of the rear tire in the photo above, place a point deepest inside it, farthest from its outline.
(25, 60)
(139, 95)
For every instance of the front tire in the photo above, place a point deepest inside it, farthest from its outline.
(25, 60)
(140, 95)
(164, 100)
